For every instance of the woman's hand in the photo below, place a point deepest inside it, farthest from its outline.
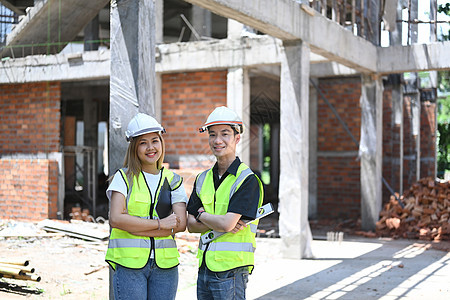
(170, 222)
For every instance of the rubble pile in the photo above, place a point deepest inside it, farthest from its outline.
(422, 212)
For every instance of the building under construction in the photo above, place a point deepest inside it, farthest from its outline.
(337, 117)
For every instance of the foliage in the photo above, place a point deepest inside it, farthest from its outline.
(443, 118)
(445, 8)
(443, 159)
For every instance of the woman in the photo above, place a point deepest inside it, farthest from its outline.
(148, 206)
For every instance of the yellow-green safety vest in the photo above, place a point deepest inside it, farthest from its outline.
(230, 250)
(133, 251)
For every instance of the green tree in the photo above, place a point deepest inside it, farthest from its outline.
(443, 118)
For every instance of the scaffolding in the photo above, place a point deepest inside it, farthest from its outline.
(7, 19)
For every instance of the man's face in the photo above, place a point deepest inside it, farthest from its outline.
(223, 141)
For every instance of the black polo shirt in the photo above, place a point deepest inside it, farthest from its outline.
(244, 201)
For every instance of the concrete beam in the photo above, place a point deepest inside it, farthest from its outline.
(287, 20)
(61, 67)
(414, 58)
(218, 54)
(330, 69)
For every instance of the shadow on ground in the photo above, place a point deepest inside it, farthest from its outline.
(366, 270)
(22, 290)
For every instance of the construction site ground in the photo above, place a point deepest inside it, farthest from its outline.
(353, 268)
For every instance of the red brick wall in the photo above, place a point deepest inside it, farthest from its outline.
(187, 100)
(338, 171)
(30, 124)
(30, 117)
(28, 189)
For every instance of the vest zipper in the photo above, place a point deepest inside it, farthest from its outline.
(152, 204)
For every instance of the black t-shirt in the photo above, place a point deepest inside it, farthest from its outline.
(244, 201)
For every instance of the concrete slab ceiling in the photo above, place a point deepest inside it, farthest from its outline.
(290, 20)
(286, 20)
(17, 6)
(49, 26)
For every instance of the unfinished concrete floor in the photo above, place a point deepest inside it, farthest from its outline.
(356, 268)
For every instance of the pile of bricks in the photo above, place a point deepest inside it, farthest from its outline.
(422, 214)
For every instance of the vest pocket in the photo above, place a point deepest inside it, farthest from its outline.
(170, 253)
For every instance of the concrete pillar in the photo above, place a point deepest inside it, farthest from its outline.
(370, 150)
(372, 14)
(234, 29)
(238, 99)
(312, 166)
(201, 21)
(397, 105)
(90, 119)
(275, 155)
(132, 80)
(395, 39)
(159, 39)
(159, 21)
(294, 151)
(91, 34)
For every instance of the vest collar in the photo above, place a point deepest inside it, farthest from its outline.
(232, 169)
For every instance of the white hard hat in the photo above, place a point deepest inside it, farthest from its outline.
(142, 124)
(223, 115)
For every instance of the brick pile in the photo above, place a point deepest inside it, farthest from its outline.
(424, 214)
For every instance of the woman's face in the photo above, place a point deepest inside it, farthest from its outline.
(149, 149)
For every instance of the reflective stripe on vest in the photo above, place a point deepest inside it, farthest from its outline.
(239, 180)
(129, 243)
(200, 180)
(135, 243)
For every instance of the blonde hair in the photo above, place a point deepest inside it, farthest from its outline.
(132, 162)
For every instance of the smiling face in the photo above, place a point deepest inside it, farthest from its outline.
(223, 141)
(149, 150)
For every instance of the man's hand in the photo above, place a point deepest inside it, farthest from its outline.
(239, 226)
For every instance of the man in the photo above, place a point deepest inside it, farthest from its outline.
(222, 199)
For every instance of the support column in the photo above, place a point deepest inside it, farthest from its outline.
(159, 21)
(132, 80)
(201, 21)
(238, 99)
(312, 205)
(395, 39)
(370, 150)
(234, 29)
(159, 39)
(90, 119)
(294, 151)
(91, 35)
(414, 80)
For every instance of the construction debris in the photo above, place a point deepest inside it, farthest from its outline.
(17, 270)
(422, 214)
(83, 230)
